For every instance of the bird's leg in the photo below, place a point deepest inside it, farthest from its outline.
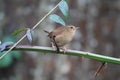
(53, 46)
(64, 49)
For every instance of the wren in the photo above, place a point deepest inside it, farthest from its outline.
(61, 36)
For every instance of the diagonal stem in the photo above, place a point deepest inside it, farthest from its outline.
(39, 22)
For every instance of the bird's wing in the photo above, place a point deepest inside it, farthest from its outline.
(59, 30)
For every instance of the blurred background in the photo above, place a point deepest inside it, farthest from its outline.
(99, 33)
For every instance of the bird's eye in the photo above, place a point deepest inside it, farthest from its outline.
(71, 27)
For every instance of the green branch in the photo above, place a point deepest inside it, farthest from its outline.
(94, 56)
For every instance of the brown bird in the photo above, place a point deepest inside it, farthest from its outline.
(61, 36)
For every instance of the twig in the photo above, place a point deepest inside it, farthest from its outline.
(99, 69)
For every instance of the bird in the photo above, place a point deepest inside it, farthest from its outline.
(61, 36)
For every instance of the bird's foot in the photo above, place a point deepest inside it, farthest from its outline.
(52, 45)
(64, 49)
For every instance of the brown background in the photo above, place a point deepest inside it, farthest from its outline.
(99, 33)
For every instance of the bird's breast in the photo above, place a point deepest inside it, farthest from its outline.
(63, 39)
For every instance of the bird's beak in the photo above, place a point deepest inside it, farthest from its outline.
(77, 28)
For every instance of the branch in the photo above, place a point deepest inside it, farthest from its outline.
(94, 56)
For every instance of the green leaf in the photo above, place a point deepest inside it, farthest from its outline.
(16, 32)
(29, 35)
(57, 19)
(66, 0)
(6, 61)
(17, 54)
(63, 6)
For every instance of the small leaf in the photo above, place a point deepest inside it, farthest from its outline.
(9, 43)
(57, 19)
(4, 45)
(63, 6)
(16, 32)
(2, 48)
(9, 58)
(29, 35)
